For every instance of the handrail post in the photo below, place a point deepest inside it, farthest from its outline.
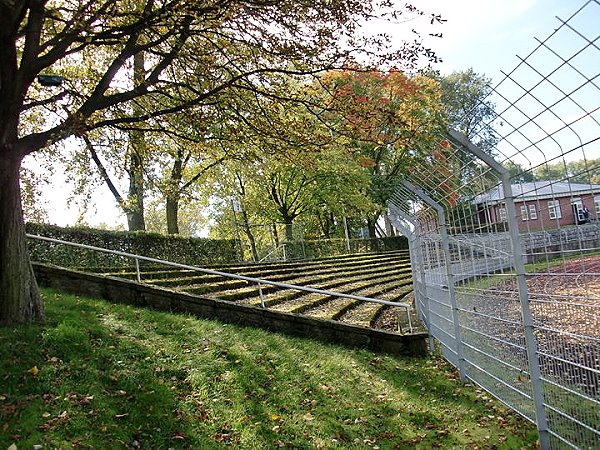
(260, 294)
(137, 270)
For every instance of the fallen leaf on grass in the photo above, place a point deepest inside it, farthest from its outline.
(418, 438)
(221, 437)
(52, 422)
(34, 371)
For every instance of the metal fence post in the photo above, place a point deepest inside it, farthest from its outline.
(519, 264)
(418, 268)
(449, 273)
(530, 340)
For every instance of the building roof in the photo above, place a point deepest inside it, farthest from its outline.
(537, 190)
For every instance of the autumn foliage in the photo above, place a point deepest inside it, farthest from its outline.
(385, 108)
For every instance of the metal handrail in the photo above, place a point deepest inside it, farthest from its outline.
(471, 243)
(258, 281)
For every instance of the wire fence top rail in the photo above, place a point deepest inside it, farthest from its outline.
(258, 281)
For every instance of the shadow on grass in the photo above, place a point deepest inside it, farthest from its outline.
(78, 380)
(111, 376)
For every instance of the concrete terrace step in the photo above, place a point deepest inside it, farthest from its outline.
(326, 281)
(310, 302)
(167, 278)
(239, 289)
(282, 274)
(336, 308)
(385, 276)
(366, 314)
(288, 295)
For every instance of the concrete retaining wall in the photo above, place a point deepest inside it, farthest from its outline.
(132, 293)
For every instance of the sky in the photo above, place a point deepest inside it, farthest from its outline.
(486, 35)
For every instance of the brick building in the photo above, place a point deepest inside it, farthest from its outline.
(542, 204)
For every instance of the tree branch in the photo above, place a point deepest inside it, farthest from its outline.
(104, 174)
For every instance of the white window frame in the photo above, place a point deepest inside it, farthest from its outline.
(524, 214)
(502, 214)
(597, 205)
(554, 211)
(532, 211)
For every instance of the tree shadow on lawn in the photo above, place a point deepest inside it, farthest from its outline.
(78, 381)
(99, 375)
(450, 414)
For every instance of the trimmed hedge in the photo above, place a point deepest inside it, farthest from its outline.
(331, 247)
(191, 251)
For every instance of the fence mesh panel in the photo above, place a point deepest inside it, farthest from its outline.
(503, 221)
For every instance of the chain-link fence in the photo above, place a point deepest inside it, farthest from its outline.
(504, 233)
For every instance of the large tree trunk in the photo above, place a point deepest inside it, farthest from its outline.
(289, 231)
(137, 155)
(20, 300)
(275, 234)
(135, 197)
(172, 209)
(371, 227)
(250, 235)
(389, 228)
(174, 194)
(326, 223)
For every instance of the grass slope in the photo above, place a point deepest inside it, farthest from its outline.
(99, 375)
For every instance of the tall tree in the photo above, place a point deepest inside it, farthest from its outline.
(386, 116)
(136, 155)
(193, 51)
(468, 106)
(581, 171)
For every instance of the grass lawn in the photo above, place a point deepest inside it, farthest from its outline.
(99, 375)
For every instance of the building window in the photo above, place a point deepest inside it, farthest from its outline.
(503, 216)
(597, 205)
(532, 212)
(554, 209)
(524, 215)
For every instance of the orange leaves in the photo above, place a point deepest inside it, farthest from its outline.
(383, 106)
(441, 155)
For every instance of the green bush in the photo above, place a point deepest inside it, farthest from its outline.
(191, 251)
(331, 247)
